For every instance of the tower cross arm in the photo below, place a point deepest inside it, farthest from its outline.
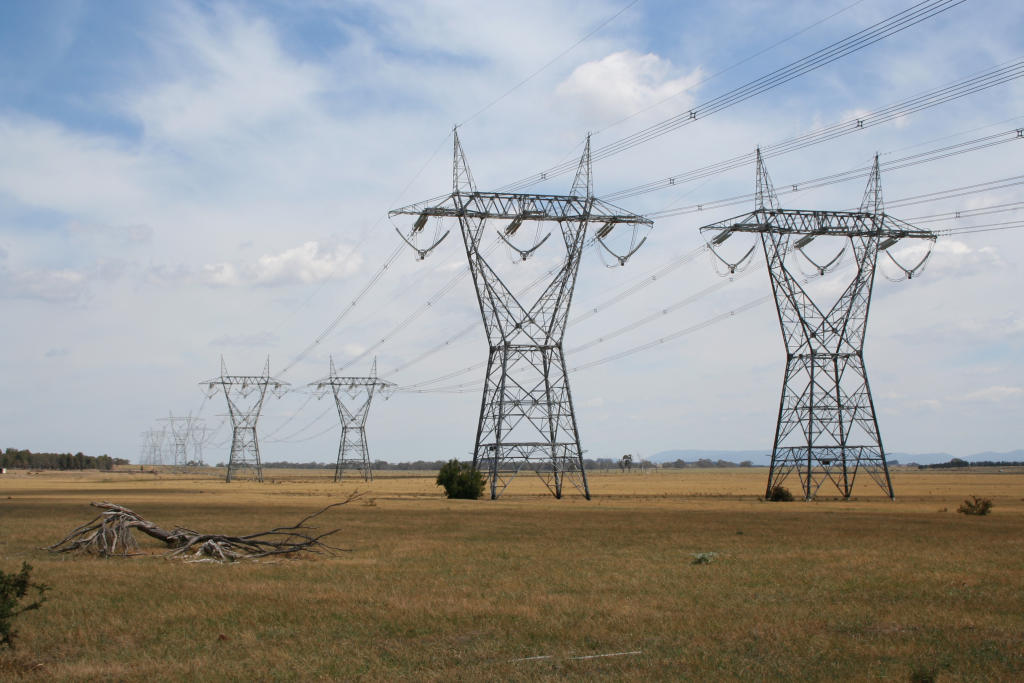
(336, 381)
(232, 380)
(510, 206)
(826, 223)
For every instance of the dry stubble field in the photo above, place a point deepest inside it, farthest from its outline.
(530, 587)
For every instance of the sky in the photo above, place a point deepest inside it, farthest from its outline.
(182, 182)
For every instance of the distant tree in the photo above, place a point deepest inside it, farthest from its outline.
(461, 480)
(746, 463)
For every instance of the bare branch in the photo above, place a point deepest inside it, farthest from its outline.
(111, 533)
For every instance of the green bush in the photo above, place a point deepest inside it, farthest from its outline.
(780, 493)
(975, 506)
(461, 480)
(13, 589)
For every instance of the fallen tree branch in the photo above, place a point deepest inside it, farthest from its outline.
(111, 533)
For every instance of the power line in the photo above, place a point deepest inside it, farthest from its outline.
(549, 63)
(927, 100)
(315, 420)
(986, 227)
(657, 315)
(851, 44)
(968, 213)
(345, 311)
(940, 153)
(746, 59)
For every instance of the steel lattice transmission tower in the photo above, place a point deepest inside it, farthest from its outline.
(526, 414)
(152, 447)
(200, 436)
(827, 428)
(353, 451)
(181, 434)
(245, 395)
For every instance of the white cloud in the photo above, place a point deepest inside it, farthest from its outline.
(995, 394)
(220, 274)
(353, 350)
(625, 82)
(235, 79)
(49, 166)
(307, 263)
(52, 285)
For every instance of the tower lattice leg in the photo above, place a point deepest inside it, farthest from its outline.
(245, 453)
(527, 420)
(353, 453)
(827, 429)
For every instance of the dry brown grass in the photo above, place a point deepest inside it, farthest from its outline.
(439, 589)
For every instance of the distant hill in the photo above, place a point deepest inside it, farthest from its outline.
(992, 455)
(763, 457)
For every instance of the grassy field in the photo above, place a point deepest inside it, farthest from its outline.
(528, 587)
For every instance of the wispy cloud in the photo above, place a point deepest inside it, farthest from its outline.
(625, 82)
(307, 263)
(995, 394)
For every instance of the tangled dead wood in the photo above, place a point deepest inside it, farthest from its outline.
(111, 533)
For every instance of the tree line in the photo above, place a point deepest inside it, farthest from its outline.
(14, 458)
(959, 462)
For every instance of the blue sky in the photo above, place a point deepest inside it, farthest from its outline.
(181, 181)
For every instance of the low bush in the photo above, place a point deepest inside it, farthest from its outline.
(975, 506)
(704, 558)
(780, 493)
(461, 480)
(13, 591)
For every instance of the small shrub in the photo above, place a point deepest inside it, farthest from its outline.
(13, 589)
(780, 493)
(704, 558)
(975, 506)
(461, 480)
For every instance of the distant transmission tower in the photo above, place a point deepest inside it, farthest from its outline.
(244, 394)
(200, 436)
(152, 447)
(526, 415)
(827, 428)
(181, 435)
(353, 451)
